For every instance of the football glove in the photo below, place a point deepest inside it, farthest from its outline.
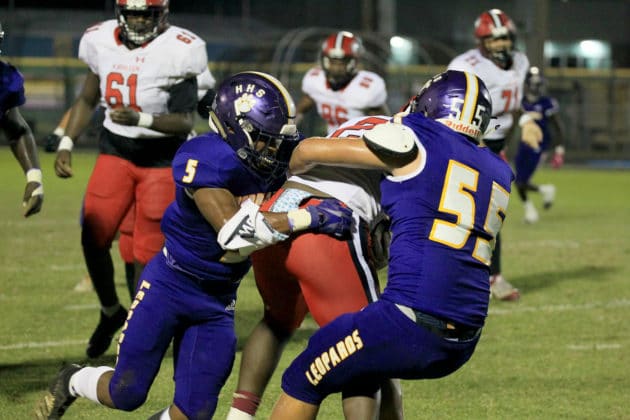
(51, 142)
(558, 157)
(331, 217)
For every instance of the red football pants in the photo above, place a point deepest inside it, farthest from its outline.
(116, 186)
(316, 273)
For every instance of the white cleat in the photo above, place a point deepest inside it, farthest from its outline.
(548, 192)
(501, 289)
(531, 214)
(84, 285)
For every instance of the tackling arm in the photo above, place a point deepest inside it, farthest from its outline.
(387, 147)
(242, 230)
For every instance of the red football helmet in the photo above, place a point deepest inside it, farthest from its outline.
(339, 58)
(495, 24)
(141, 21)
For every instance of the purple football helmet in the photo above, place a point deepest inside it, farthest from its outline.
(457, 99)
(255, 114)
(534, 84)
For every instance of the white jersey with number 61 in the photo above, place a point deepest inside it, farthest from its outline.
(140, 78)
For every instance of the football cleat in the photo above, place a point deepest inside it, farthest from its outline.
(84, 285)
(531, 214)
(104, 332)
(501, 289)
(58, 398)
(548, 192)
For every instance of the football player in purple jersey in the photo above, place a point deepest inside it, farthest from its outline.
(19, 134)
(527, 159)
(187, 292)
(447, 198)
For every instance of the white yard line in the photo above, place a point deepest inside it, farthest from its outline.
(36, 345)
(594, 346)
(619, 303)
(83, 307)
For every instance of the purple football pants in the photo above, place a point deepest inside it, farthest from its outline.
(364, 348)
(199, 319)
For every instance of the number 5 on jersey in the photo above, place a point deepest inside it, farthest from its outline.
(191, 170)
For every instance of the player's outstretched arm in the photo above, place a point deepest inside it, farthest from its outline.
(24, 149)
(242, 230)
(388, 147)
(78, 120)
(531, 134)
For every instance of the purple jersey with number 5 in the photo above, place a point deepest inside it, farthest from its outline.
(445, 219)
(206, 161)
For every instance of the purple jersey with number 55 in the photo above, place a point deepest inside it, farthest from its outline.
(445, 219)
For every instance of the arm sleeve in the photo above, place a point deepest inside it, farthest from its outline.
(183, 96)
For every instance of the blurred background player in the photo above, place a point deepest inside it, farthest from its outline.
(527, 159)
(188, 291)
(205, 94)
(503, 70)
(19, 134)
(447, 199)
(146, 71)
(337, 88)
(318, 274)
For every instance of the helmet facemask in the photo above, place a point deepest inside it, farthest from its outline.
(339, 71)
(502, 52)
(266, 152)
(141, 25)
(339, 58)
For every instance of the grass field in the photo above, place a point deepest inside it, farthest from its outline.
(561, 352)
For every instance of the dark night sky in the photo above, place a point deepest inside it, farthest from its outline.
(224, 7)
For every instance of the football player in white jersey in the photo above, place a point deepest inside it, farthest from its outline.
(503, 69)
(144, 71)
(205, 95)
(319, 275)
(337, 88)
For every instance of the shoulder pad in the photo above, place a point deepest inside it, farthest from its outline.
(391, 139)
